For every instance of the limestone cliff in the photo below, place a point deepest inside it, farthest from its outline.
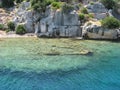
(98, 32)
(53, 23)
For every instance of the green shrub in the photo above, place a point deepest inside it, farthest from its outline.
(109, 4)
(20, 29)
(48, 2)
(110, 22)
(56, 5)
(92, 3)
(84, 10)
(1, 26)
(11, 26)
(35, 7)
(40, 4)
(91, 15)
(67, 8)
(81, 16)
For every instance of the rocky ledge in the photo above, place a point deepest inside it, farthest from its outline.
(98, 32)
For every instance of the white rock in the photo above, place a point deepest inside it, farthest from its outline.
(98, 32)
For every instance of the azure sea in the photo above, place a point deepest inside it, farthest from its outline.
(24, 67)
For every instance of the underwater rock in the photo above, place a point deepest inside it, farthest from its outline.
(86, 52)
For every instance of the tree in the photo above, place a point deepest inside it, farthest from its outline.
(110, 23)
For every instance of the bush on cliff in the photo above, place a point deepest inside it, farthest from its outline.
(67, 8)
(110, 23)
(41, 4)
(84, 10)
(56, 5)
(1, 26)
(81, 16)
(20, 30)
(11, 26)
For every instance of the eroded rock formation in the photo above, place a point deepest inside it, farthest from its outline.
(54, 23)
(98, 32)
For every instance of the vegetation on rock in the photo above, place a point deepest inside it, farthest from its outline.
(84, 10)
(81, 16)
(40, 4)
(20, 29)
(11, 26)
(1, 26)
(66, 8)
(110, 23)
(56, 5)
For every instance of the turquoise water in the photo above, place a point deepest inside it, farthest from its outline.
(23, 67)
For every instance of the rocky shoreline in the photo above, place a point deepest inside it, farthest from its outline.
(57, 23)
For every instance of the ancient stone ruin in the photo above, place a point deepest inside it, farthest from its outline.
(54, 23)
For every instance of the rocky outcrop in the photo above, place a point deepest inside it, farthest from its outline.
(98, 9)
(26, 17)
(5, 17)
(98, 32)
(58, 24)
(53, 23)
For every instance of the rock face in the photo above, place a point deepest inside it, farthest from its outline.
(58, 24)
(55, 23)
(98, 10)
(51, 24)
(5, 17)
(26, 17)
(98, 32)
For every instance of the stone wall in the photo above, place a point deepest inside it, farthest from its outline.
(51, 23)
(55, 23)
(58, 24)
(98, 32)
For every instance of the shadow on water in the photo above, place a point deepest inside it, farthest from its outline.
(44, 74)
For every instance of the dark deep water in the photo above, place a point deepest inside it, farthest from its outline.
(22, 70)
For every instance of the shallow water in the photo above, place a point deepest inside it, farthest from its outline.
(23, 67)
